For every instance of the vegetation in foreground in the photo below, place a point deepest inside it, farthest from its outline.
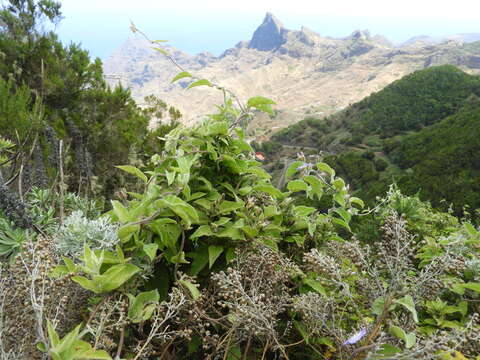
(210, 260)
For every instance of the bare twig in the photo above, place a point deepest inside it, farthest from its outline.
(159, 322)
(95, 309)
(265, 350)
(20, 192)
(12, 179)
(247, 347)
(164, 352)
(120, 343)
(377, 327)
(182, 245)
(229, 337)
(62, 182)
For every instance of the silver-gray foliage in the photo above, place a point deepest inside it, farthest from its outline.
(77, 230)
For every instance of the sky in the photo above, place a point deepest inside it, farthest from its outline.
(194, 26)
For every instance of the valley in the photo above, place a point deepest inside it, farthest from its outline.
(305, 73)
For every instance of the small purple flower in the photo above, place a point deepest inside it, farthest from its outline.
(356, 337)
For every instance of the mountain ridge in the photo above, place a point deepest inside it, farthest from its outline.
(304, 72)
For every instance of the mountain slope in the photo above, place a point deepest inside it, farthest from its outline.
(443, 160)
(304, 72)
(422, 132)
(408, 104)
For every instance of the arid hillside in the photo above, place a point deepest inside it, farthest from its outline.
(305, 73)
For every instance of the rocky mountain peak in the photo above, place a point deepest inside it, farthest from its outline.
(269, 35)
(269, 17)
(360, 35)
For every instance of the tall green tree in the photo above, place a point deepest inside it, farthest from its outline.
(98, 125)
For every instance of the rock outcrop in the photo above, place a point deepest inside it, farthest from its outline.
(270, 35)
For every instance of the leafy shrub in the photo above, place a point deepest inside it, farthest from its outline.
(356, 167)
(369, 155)
(381, 164)
(11, 238)
(205, 199)
(270, 147)
(44, 207)
(354, 139)
(373, 141)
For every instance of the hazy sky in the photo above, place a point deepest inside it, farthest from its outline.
(215, 25)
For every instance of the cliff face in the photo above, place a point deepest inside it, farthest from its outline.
(305, 73)
(270, 35)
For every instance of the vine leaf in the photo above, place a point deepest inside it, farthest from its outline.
(191, 287)
(292, 169)
(133, 171)
(162, 51)
(297, 185)
(214, 251)
(261, 103)
(398, 332)
(407, 303)
(315, 285)
(201, 82)
(181, 75)
(259, 100)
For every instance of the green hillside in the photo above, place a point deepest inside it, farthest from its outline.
(417, 100)
(421, 131)
(443, 160)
